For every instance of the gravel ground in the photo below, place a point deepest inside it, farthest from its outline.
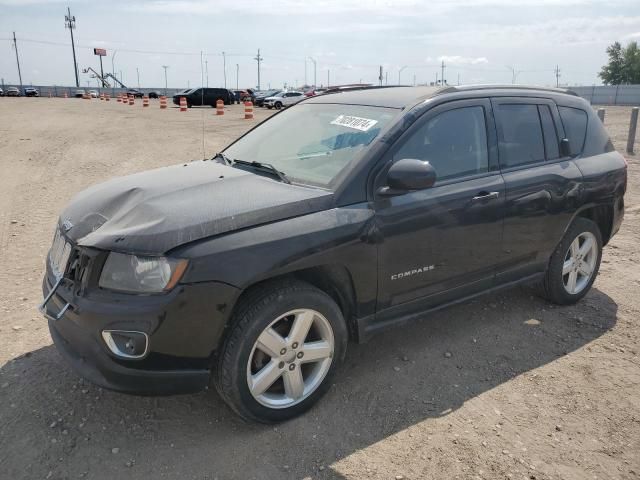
(505, 386)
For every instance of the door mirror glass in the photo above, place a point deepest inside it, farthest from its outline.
(409, 174)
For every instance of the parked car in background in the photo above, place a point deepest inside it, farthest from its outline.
(283, 99)
(80, 93)
(328, 223)
(13, 92)
(204, 96)
(1, 92)
(155, 94)
(313, 92)
(94, 93)
(135, 93)
(260, 97)
(31, 92)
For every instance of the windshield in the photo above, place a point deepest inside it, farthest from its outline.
(313, 143)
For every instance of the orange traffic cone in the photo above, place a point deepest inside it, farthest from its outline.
(145, 101)
(163, 102)
(248, 111)
(183, 104)
(219, 107)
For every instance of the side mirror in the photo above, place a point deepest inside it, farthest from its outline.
(408, 174)
(565, 148)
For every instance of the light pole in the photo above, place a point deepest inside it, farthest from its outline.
(70, 23)
(328, 82)
(138, 75)
(258, 58)
(206, 69)
(165, 78)
(237, 76)
(315, 79)
(224, 68)
(399, 72)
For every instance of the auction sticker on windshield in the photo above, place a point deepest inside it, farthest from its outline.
(362, 124)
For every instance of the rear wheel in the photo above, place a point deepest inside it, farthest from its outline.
(574, 264)
(286, 342)
(278, 105)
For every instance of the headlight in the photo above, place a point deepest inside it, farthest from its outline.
(130, 273)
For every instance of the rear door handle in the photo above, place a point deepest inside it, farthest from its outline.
(486, 196)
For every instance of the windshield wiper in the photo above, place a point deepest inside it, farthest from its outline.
(264, 166)
(226, 159)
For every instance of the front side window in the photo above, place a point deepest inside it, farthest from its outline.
(453, 142)
(520, 142)
(313, 143)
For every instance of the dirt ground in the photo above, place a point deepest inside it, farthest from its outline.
(506, 386)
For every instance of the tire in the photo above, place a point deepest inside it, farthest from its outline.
(275, 307)
(278, 105)
(556, 285)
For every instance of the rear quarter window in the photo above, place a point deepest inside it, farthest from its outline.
(574, 121)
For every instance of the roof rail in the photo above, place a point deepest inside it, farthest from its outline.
(462, 88)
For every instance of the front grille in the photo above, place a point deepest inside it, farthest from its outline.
(60, 254)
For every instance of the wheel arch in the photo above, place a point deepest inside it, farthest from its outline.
(602, 215)
(334, 280)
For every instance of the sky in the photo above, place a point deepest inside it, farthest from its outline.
(479, 41)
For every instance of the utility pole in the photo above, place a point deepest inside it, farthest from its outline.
(458, 79)
(237, 76)
(224, 68)
(15, 45)
(206, 69)
(328, 82)
(315, 79)
(442, 76)
(380, 76)
(557, 72)
(514, 73)
(165, 78)
(137, 72)
(399, 72)
(386, 78)
(436, 78)
(258, 59)
(70, 23)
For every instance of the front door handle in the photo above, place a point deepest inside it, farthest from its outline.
(485, 196)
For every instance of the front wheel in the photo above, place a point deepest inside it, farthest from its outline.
(285, 344)
(278, 105)
(574, 264)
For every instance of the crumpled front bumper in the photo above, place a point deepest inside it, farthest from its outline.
(184, 328)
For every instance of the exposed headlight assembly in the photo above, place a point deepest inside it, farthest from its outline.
(131, 273)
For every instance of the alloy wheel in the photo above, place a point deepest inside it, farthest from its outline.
(580, 263)
(290, 358)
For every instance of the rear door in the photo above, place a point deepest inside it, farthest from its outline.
(542, 187)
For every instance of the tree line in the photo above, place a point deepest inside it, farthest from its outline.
(623, 67)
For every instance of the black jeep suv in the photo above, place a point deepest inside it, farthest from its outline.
(333, 220)
(205, 96)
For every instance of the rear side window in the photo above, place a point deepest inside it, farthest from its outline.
(574, 121)
(549, 131)
(521, 141)
(454, 142)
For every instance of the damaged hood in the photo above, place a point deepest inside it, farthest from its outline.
(155, 211)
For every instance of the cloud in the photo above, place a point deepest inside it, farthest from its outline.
(459, 60)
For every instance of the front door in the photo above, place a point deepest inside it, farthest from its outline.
(443, 242)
